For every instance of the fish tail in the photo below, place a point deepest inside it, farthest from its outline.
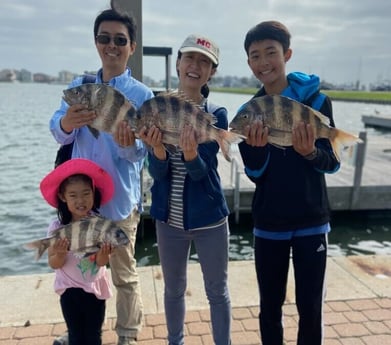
(226, 139)
(39, 245)
(341, 140)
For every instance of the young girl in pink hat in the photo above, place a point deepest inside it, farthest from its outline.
(76, 189)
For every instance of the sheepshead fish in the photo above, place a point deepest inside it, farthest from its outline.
(171, 111)
(109, 104)
(168, 111)
(85, 236)
(280, 114)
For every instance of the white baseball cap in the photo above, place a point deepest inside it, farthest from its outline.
(203, 45)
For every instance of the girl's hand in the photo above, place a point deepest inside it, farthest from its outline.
(60, 247)
(106, 249)
(103, 255)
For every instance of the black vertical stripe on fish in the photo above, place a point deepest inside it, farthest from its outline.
(306, 115)
(175, 104)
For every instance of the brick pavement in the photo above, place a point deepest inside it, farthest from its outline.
(347, 322)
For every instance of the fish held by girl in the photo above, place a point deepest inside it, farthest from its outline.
(85, 236)
(169, 112)
(280, 114)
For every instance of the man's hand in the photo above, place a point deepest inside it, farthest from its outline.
(77, 116)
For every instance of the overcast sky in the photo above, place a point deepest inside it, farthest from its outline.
(341, 41)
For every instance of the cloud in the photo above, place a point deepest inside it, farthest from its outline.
(340, 41)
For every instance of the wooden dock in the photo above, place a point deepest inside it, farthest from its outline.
(382, 122)
(362, 183)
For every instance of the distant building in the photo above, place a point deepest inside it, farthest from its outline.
(65, 77)
(7, 75)
(25, 76)
(42, 78)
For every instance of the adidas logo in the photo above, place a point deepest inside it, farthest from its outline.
(321, 248)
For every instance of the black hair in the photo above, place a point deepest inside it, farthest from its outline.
(272, 30)
(63, 213)
(205, 88)
(112, 15)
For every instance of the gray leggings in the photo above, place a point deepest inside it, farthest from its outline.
(212, 249)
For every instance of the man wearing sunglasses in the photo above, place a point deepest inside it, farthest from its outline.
(121, 154)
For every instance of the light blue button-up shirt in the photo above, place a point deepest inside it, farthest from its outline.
(124, 164)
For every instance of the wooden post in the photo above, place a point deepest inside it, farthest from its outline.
(134, 7)
(358, 169)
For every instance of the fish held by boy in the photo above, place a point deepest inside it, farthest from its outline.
(85, 236)
(280, 114)
(169, 111)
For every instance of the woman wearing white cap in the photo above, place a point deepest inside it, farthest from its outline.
(188, 202)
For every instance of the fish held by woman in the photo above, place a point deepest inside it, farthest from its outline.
(280, 114)
(85, 236)
(169, 111)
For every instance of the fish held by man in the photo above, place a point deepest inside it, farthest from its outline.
(85, 236)
(109, 104)
(169, 111)
(280, 114)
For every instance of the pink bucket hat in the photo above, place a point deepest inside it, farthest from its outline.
(100, 178)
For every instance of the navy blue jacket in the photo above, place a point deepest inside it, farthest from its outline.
(203, 198)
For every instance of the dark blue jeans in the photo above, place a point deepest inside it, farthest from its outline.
(84, 315)
(309, 255)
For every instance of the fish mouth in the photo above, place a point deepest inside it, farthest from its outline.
(65, 97)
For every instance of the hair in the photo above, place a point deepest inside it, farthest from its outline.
(113, 15)
(63, 213)
(269, 30)
(205, 88)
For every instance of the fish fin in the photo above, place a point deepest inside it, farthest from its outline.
(94, 132)
(225, 139)
(340, 140)
(39, 245)
(323, 118)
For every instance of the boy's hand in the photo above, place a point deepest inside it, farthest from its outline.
(303, 139)
(256, 134)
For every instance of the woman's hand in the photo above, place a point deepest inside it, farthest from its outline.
(188, 143)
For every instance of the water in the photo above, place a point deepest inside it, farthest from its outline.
(27, 154)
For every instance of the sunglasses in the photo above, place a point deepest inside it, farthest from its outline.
(118, 40)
